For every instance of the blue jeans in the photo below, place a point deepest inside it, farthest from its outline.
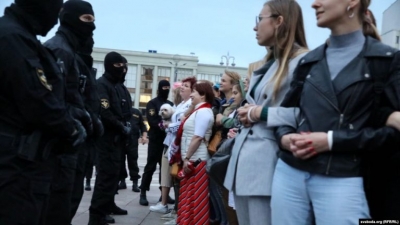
(298, 197)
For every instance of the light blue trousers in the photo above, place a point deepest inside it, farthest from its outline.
(299, 197)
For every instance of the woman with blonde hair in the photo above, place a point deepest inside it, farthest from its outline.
(338, 88)
(254, 154)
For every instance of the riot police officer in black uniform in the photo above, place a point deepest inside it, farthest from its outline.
(115, 114)
(77, 26)
(131, 152)
(33, 113)
(156, 138)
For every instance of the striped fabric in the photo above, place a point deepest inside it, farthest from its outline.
(193, 208)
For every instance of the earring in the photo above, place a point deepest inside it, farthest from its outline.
(352, 13)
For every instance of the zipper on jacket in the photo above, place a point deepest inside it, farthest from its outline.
(326, 98)
(341, 118)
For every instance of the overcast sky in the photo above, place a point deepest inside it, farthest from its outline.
(209, 28)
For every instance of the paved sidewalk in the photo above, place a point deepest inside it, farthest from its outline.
(129, 200)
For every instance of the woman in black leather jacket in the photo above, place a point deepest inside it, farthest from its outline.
(338, 88)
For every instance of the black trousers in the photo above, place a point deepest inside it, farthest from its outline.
(130, 154)
(108, 169)
(383, 188)
(154, 154)
(78, 189)
(62, 185)
(24, 186)
(91, 161)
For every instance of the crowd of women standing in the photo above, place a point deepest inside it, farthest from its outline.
(306, 124)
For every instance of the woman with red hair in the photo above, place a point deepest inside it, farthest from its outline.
(192, 138)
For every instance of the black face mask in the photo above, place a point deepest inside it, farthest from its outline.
(85, 52)
(69, 18)
(44, 13)
(110, 59)
(126, 68)
(161, 92)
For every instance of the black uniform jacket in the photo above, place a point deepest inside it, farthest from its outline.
(345, 106)
(152, 110)
(77, 76)
(31, 86)
(116, 104)
(137, 121)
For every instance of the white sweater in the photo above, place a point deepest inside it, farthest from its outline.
(189, 132)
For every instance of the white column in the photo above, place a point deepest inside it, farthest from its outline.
(155, 82)
(138, 84)
(195, 72)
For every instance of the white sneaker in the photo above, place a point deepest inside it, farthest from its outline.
(160, 208)
(171, 222)
(169, 216)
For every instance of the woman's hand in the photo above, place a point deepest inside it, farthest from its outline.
(394, 120)
(286, 140)
(185, 167)
(218, 119)
(248, 114)
(166, 124)
(232, 133)
(308, 145)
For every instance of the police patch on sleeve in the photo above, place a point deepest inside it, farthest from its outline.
(104, 103)
(152, 112)
(43, 79)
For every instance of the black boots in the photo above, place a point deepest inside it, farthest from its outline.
(122, 185)
(135, 187)
(109, 219)
(118, 211)
(97, 220)
(87, 186)
(143, 199)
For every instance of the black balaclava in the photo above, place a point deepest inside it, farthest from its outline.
(43, 14)
(109, 60)
(163, 93)
(69, 18)
(85, 52)
(126, 68)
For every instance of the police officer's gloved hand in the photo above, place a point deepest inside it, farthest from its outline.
(84, 117)
(98, 129)
(88, 123)
(126, 130)
(79, 135)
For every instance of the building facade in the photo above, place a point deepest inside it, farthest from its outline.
(146, 69)
(390, 25)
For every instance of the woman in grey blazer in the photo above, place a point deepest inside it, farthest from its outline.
(254, 155)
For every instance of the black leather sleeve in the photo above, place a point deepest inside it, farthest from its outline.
(370, 139)
(281, 131)
(367, 139)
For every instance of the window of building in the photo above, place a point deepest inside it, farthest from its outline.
(397, 39)
(130, 79)
(164, 73)
(146, 86)
(211, 77)
(183, 73)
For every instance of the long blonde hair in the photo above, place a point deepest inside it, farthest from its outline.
(290, 40)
